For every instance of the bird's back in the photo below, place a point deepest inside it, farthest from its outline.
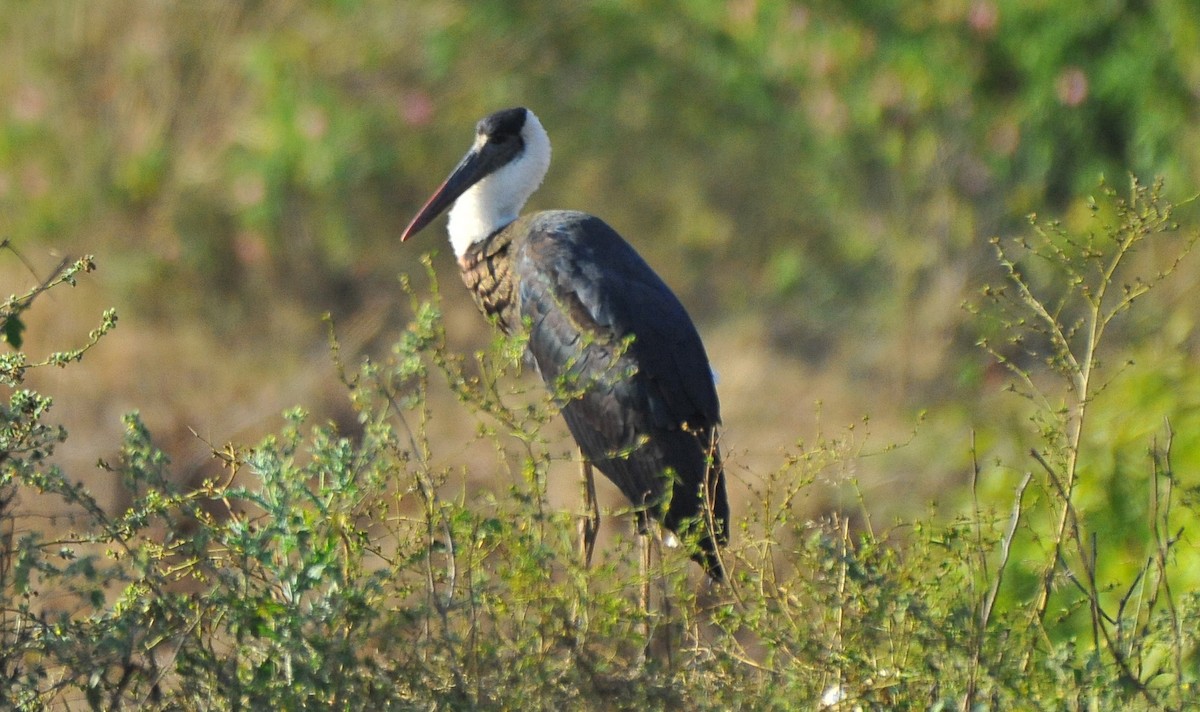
(622, 355)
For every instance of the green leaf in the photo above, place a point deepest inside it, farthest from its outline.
(11, 332)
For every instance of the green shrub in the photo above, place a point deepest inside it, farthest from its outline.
(329, 569)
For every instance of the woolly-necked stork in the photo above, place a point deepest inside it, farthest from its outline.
(608, 337)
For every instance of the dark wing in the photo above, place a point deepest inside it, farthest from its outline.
(614, 343)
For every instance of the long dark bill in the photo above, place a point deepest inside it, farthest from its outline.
(469, 171)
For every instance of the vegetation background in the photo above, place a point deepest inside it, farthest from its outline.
(819, 182)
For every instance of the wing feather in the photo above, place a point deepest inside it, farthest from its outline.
(623, 356)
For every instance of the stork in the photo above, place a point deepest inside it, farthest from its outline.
(608, 337)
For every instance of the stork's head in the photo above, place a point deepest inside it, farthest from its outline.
(492, 182)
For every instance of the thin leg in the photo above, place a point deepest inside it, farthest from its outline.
(589, 523)
(644, 543)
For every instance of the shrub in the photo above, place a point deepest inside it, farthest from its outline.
(330, 569)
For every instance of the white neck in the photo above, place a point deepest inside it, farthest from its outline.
(496, 200)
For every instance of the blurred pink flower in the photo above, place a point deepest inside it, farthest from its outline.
(983, 17)
(1072, 86)
(416, 108)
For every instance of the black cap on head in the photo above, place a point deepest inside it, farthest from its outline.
(503, 123)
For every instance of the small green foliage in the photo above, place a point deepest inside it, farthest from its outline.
(14, 364)
(13, 331)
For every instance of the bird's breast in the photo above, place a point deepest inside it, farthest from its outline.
(487, 270)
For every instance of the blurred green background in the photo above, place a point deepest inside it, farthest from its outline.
(818, 182)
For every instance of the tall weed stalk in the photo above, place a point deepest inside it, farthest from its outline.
(1065, 291)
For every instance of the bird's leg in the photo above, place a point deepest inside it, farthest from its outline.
(589, 523)
(644, 567)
